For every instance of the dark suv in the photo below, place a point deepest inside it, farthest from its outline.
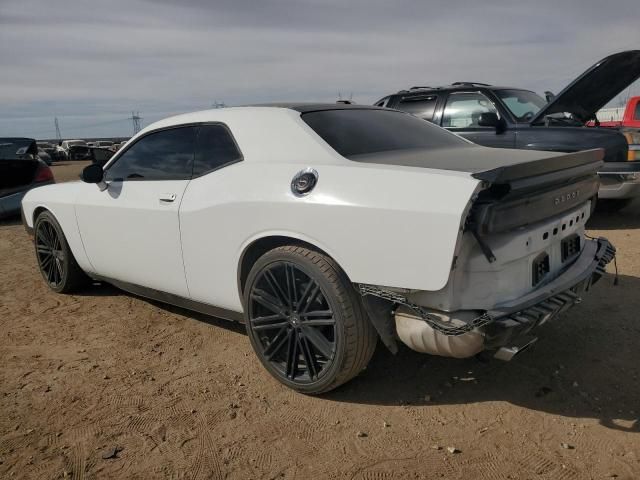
(508, 117)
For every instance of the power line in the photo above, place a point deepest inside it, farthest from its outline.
(58, 134)
(135, 120)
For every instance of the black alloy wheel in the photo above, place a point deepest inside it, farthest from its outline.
(304, 320)
(57, 264)
(51, 256)
(292, 320)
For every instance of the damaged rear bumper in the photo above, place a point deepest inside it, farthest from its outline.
(507, 326)
(517, 319)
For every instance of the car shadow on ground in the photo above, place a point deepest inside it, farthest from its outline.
(626, 218)
(585, 365)
(10, 221)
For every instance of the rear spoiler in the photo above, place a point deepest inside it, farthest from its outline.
(547, 170)
(527, 193)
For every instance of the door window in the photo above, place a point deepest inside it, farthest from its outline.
(422, 107)
(216, 148)
(463, 110)
(164, 155)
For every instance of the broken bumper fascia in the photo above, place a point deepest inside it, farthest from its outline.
(514, 319)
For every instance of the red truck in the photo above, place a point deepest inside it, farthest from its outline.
(626, 120)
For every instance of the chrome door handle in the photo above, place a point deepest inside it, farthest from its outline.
(167, 197)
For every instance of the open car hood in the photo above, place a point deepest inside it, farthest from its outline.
(595, 88)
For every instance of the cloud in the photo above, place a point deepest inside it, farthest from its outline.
(92, 63)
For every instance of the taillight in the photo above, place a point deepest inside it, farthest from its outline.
(633, 139)
(43, 174)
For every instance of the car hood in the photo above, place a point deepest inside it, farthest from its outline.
(595, 88)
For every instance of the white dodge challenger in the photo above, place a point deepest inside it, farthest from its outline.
(324, 227)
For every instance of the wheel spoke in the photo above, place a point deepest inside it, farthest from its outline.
(319, 341)
(49, 270)
(292, 356)
(59, 268)
(43, 237)
(310, 298)
(43, 250)
(291, 278)
(277, 343)
(271, 326)
(309, 357)
(275, 287)
(267, 318)
(267, 301)
(46, 258)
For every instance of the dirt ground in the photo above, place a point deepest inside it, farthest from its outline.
(181, 395)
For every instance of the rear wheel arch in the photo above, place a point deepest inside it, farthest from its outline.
(262, 245)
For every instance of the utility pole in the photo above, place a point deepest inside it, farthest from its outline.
(58, 135)
(135, 120)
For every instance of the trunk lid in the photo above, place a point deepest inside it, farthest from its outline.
(595, 87)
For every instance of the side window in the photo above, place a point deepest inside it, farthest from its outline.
(422, 106)
(216, 149)
(164, 155)
(383, 102)
(636, 114)
(463, 110)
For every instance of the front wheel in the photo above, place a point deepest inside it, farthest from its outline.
(57, 264)
(305, 320)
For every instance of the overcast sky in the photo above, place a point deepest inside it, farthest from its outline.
(91, 63)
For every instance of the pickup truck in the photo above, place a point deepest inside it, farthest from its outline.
(616, 117)
(511, 117)
(626, 120)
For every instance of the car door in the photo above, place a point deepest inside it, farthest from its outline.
(131, 229)
(461, 113)
(205, 217)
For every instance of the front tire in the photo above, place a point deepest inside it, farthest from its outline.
(305, 320)
(55, 259)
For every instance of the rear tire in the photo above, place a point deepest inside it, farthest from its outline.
(55, 259)
(305, 320)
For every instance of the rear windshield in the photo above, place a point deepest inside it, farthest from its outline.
(17, 148)
(353, 132)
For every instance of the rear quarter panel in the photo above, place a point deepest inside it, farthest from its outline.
(391, 226)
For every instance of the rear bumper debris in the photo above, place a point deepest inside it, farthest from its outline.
(512, 320)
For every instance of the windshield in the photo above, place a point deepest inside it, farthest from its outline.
(352, 132)
(523, 104)
(73, 143)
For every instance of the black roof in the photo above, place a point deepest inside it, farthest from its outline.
(456, 86)
(315, 107)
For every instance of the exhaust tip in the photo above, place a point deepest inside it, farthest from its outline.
(507, 353)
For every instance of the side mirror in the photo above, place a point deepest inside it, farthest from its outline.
(92, 173)
(488, 119)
